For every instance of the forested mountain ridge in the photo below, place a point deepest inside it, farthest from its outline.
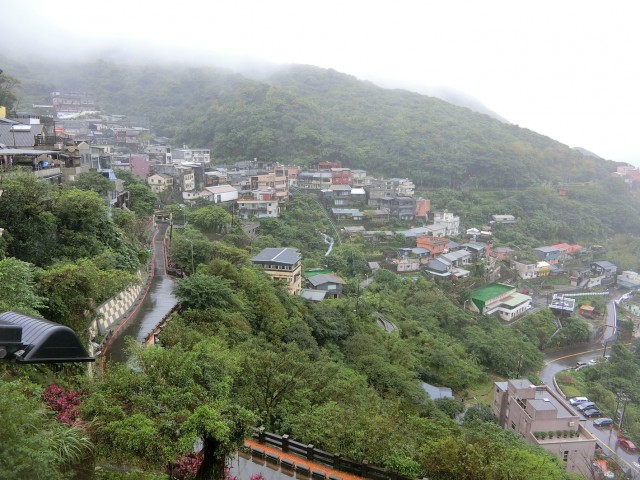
(302, 114)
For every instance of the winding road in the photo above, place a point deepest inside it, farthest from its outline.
(566, 359)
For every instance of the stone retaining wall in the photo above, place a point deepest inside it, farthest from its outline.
(111, 312)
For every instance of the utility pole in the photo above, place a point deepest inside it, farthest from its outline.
(624, 399)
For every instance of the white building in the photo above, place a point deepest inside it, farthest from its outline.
(192, 155)
(448, 220)
(258, 208)
(220, 194)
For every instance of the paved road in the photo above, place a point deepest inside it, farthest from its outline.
(607, 438)
(157, 303)
(566, 359)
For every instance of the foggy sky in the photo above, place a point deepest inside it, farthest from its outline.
(566, 69)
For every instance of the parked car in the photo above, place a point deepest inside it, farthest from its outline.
(603, 422)
(586, 406)
(578, 400)
(580, 364)
(627, 444)
(592, 412)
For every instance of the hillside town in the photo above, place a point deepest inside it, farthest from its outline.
(75, 138)
(410, 237)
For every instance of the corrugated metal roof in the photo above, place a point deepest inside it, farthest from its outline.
(285, 256)
(18, 138)
(315, 295)
(325, 278)
(26, 151)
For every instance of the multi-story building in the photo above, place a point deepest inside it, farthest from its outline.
(402, 187)
(526, 269)
(340, 176)
(292, 176)
(192, 155)
(160, 182)
(436, 245)
(338, 196)
(314, 180)
(403, 208)
(359, 178)
(186, 178)
(543, 418)
(448, 220)
(72, 102)
(378, 190)
(258, 204)
(128, 138)
(276, 180)
(282, 264)
(160, 153)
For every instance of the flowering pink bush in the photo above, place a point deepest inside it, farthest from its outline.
(186, 467)
(64, 402)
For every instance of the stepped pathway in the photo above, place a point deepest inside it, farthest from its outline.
(312, 466)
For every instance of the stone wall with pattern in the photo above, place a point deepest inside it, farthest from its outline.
(111, 312)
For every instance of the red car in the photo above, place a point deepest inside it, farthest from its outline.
(627, 444)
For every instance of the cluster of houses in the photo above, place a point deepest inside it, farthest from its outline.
(61, 147)
(285, 265)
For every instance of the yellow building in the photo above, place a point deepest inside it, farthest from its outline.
(282, 264)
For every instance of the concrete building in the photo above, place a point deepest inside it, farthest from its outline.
(282, 264)
(403, 208)
(543, 418)
(501, 299)
(258, 204)
(526, 270)
(192, 155)
(220, 194)
(160, 182)
(449, 221)
(629, 279)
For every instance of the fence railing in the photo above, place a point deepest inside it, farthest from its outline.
(331, 460)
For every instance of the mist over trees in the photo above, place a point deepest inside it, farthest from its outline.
(302, 114)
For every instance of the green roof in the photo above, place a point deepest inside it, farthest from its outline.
(490, 291)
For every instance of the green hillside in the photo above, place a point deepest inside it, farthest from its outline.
(303, 114)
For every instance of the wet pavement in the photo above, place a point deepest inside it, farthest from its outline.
(274, 464)
(157, 303)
